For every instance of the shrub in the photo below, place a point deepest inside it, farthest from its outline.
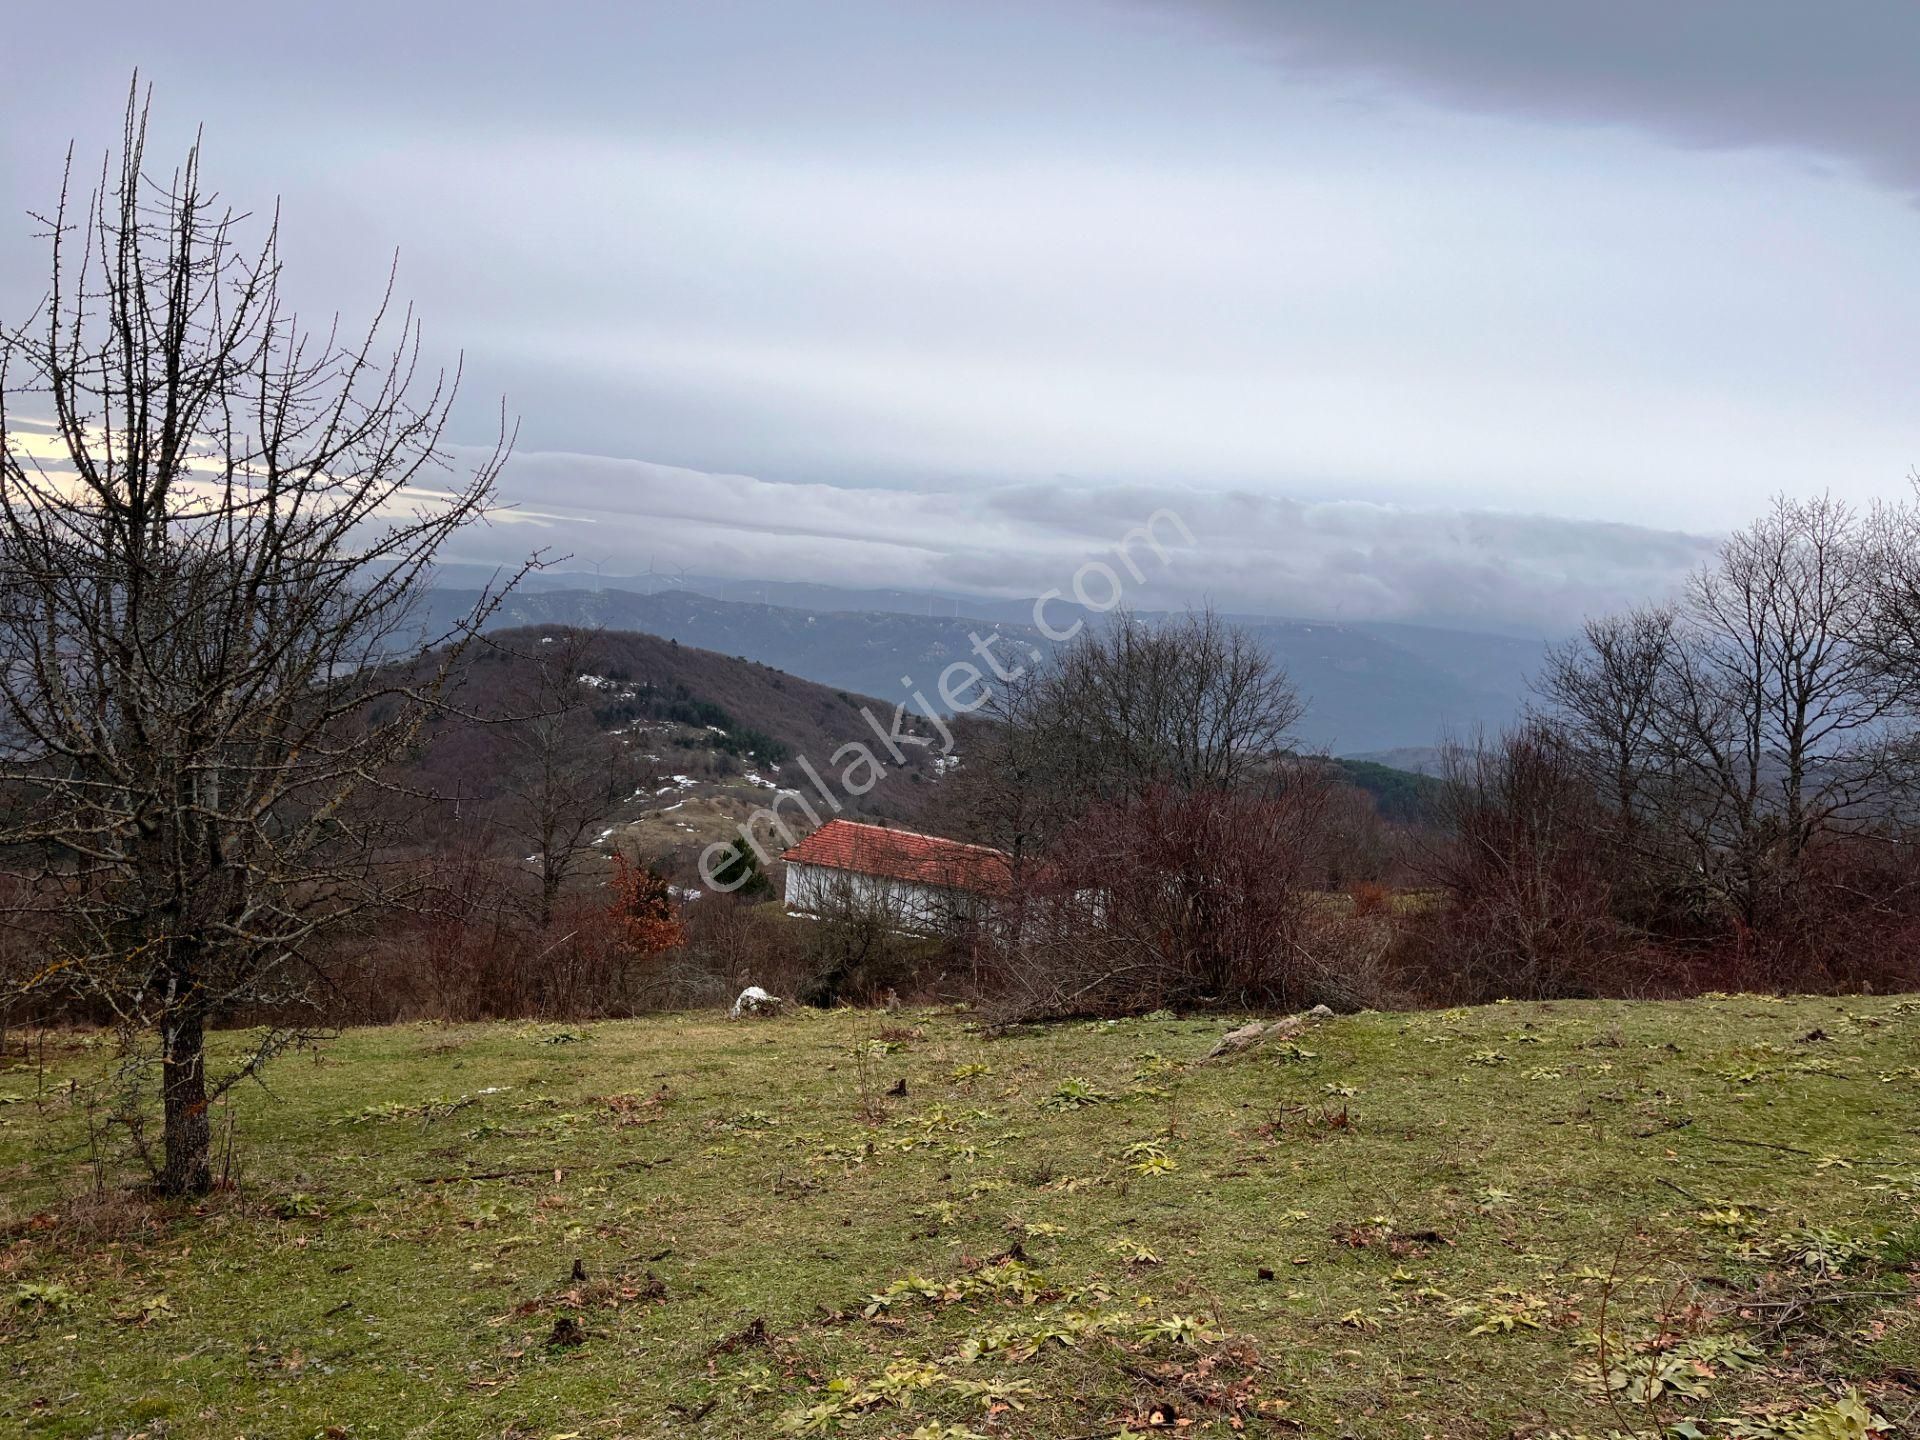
(1370, 899)
(1530, 890)
(855, 948)
(1175, 900)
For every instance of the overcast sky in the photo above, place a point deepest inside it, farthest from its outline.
(1387, 299)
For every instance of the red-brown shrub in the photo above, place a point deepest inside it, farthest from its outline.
(1370, 899)
(1174, 900)
(1529, 907)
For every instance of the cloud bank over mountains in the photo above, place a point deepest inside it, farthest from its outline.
(1252, 551)
(1633, 261)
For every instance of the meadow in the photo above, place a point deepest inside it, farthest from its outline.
(1695, 1218)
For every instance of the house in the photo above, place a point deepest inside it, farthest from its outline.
(925, 881)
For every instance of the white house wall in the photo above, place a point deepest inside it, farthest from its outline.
(922, 909)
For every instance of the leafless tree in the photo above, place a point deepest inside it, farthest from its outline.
(1013, 789)
(1603, 692)
(1767, 707)
(1191, 702)
(213, 524)
(1188, 703)
(1778, 724)
(564, 775)
(1890, 556)
(1356, 846)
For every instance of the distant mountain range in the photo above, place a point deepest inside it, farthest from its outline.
(1371, 687)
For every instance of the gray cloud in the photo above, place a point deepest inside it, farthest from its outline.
(1839, 80)
(1248, 552)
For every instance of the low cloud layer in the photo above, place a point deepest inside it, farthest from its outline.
(1252, 552)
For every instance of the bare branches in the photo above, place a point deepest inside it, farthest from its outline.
(1191, 703)
(564, 774)
(206, 563)
(1769, 706)
(1605, 691)
(1172, 899)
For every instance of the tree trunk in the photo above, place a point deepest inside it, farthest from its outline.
(188, 1169)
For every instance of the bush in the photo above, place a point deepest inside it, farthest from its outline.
(1370, 898)
(855, 948)
(1176, 900)
(1530, 886)
(733, 942)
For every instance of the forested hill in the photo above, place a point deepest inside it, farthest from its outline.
(693, 742)
(702, 740)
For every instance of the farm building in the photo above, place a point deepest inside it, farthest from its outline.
(925, 881)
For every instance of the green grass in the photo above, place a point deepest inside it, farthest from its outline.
(1446, 1204)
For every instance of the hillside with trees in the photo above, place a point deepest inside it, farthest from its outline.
(1371, 686)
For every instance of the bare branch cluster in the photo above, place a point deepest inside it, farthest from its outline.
(1771, 705)
(214, 524)
(1190, 702)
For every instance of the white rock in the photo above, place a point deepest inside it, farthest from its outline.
(755, 1001)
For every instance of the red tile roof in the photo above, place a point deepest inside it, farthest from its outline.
(902, 855)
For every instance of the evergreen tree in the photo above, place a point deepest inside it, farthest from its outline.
(741, 875)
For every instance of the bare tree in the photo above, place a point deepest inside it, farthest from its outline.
(213, 524)
(1890, 559)
(1013, 790)
(1603, 692)
(1768, 707)
(1778, 724)
(1192, 702)
(564, 775)
(1188, 703)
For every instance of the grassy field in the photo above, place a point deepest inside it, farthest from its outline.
(1562, 1219)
